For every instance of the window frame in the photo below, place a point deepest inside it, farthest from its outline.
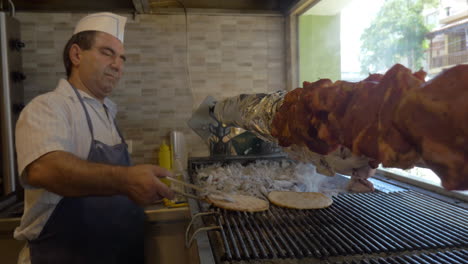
(292, 82)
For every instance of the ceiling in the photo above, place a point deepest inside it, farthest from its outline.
(328, 8)
(145, 6)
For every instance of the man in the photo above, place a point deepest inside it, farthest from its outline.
(81, 194)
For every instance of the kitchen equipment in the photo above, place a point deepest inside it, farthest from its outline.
(219, 143)
(178, 166)
(179, 151)
(210, 129)
(200, 194)
(12, 101)
(224, 140)
(199, 189)
(11, 104)
(201, 119)
(247, 143)
(391, 225)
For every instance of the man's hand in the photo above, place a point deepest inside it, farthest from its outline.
(142, 185)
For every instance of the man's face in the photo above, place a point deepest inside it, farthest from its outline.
(101, 66)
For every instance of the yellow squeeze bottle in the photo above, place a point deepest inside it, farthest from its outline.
(165, 159)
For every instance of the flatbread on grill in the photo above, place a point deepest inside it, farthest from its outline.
(240, 203)
(299, 200)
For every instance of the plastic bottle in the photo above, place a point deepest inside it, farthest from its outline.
(179, 174)
(165, 159)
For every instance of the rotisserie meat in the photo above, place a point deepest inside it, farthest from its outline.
(395, 119)
(435, 119)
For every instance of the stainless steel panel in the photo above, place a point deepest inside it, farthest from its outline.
(11, 91)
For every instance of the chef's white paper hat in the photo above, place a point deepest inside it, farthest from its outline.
(106, 22)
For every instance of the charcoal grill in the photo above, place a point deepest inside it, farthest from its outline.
(370, 228)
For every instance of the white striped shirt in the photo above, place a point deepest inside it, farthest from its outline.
(51, 122)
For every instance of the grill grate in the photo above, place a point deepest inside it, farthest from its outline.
(447, 257)
(355, 225)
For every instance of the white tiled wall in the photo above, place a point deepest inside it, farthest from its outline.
(228, 55)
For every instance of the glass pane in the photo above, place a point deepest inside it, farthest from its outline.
(348, 39)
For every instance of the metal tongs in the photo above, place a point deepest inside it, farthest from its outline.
(202, 192)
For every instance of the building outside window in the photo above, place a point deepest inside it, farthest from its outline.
(448, 40)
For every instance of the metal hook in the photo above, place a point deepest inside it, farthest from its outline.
(188, 242)
(12, 10)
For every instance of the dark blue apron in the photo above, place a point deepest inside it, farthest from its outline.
(93, 229)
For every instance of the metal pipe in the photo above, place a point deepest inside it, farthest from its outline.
(253, 232)
(239, 236)
(8, 152)
(430, 225)
(223, 235)
(270, 252)
(247, 234)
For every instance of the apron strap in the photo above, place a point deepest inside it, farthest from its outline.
(88, 119)
(118, 131)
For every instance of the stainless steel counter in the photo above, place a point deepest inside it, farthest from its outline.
(164, 241)
(155, 213)
(165, 237)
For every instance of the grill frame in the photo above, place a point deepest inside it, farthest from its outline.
(351, 245)
(206, 250)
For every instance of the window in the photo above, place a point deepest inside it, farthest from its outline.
(348, 39)
(432, 18)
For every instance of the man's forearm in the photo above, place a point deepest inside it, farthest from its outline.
(67, 175)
